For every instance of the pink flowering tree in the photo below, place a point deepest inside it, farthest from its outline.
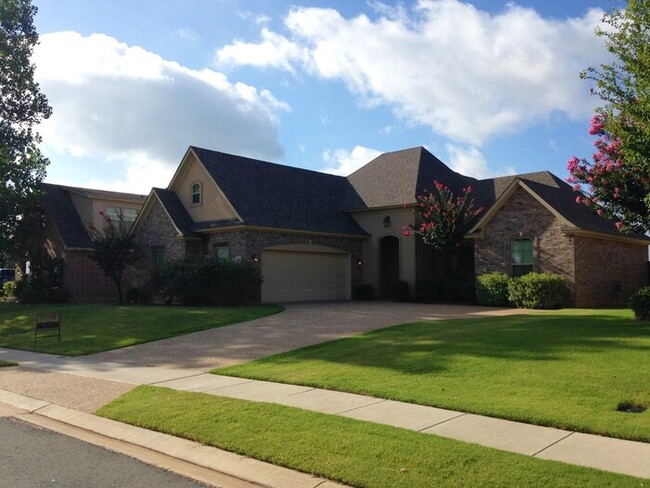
(113, 249)
(442, 218)
(609, 183)
(616, 182)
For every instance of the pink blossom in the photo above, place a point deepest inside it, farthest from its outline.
(619, 225)
(597, 124)
(578, 199)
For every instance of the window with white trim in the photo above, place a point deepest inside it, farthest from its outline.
(521, 256)
(197, 196)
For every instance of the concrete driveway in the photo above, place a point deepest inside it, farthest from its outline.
(299, 325)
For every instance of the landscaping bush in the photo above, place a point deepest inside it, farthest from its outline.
(640, 303)
(492, 289)
(33, 290)
(9, 288)
(138, 295)
(401, 291)
(364, 292)
(212, 281)
(457, 290)
(539, 290)
(428, 290)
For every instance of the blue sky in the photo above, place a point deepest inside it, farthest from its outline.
(490, 87)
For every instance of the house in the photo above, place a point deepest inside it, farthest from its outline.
(317, 236)
(69, 211)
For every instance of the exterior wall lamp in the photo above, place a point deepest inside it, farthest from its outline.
(387, 221)
(359, 263)
(255, 258)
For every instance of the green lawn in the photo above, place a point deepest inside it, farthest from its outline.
(4, 364)
(87, 329)
(567, 369)
(351, 451)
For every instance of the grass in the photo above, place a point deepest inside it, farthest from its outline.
(351, 451)
(87, 329)
(568, 369)
(4, 364)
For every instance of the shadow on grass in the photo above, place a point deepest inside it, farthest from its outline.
(428, 347)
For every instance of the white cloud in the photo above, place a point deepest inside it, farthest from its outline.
(470, 161)
(120, 103)
(342, 162)
(465, 73)
(274, 50)
(187, 34)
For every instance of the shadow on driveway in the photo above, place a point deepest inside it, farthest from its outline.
(300, 325)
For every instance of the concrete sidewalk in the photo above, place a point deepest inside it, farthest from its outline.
(620, 456)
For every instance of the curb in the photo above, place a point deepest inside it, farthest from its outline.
(213, 459)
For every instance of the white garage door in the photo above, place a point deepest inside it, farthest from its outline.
(291, 276)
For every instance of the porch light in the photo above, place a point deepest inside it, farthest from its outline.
(255, 258)
(359, 263)
(387, 221)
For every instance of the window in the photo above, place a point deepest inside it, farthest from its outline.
(221, 252)
(196, 193)
(157, 259)
(128, 215)
(522, 257)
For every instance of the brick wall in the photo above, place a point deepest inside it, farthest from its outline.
(523, 216)
(157, 231)
(86, 282)
(608, 272)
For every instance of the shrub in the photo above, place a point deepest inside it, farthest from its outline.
(35, 290)
(539, 290)
(212, 281)
(138, 294)
(428, 290)
(492, 289)
(457, 290)
(401, 291)
(364, 292)
(9, 288)
(640, 303)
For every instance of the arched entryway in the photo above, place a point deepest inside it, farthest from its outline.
(388, 264)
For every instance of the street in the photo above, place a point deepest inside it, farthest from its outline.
(34, 457)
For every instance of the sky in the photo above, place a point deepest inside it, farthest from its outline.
(488, 86)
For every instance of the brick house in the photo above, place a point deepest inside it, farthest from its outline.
(68, 213)
(317, 236)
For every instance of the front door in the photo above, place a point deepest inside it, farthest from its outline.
(388, 265)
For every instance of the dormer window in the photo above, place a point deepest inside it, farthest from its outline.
(196, 193)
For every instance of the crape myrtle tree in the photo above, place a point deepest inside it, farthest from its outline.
(113, 249)
(22, 106)
(616, 182)
(442, 219)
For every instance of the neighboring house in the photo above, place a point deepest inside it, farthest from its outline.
(318, 236)
(69, 211)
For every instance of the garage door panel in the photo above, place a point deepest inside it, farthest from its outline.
(303, 276)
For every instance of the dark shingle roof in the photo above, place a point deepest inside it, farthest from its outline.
(105, 194)
(272, 195)
(396, 178)
(65, 217)
(556, 193)
(176, 211)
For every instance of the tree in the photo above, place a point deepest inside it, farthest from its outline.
(617, 180)
(441, 218)
(113, 249)
(22, 106)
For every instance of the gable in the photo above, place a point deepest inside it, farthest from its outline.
(214, 204)
(276, 196)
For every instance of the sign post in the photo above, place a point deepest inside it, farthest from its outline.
(48, 322)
